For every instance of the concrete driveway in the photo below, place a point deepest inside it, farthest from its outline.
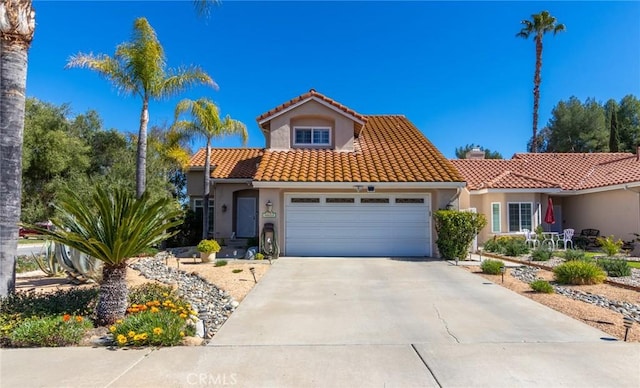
(359, 323)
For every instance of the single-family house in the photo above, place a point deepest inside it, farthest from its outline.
(331, 182)
(588, 191)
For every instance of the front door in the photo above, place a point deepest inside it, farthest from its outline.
(246, 217)
(557, 214)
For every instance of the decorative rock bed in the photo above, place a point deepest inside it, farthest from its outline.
(527, 274)
(214, 305)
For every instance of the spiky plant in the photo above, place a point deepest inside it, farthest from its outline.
(112, 227)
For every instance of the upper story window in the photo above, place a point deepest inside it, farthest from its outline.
(316, 136)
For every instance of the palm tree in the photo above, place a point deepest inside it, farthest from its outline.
(206, 122)
(112, 227)
(539, 25)
(17, 24)
(139, 68)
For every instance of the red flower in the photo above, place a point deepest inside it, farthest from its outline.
(66, 317)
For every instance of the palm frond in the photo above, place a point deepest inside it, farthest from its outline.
(180, 79)
(108, 67)
(112, 227)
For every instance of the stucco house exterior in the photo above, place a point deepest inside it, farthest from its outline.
(332, 181)
(588, 190)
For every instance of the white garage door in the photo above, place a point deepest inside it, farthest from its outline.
(358, 225)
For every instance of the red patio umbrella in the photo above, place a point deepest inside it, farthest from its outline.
(549, 218)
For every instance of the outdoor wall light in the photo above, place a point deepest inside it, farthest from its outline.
(269, 205)
(224, 208)
(358, 188)
(627, 322)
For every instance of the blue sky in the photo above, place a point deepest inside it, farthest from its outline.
(455, 69)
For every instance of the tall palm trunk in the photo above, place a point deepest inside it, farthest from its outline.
(207, 191)
(141, 166)
(17, 24)
(536, 93)
(112, 303)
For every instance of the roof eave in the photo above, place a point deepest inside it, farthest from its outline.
(301, 102)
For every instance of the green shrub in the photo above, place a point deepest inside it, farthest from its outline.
(456, 230)
(208, 246)
(237, 270)
(491, 267)
(25, 264)
(541, 286)
(149, 292)
(156, 322)
(77, 301)
(259, 256)
(49, 331)
(541, 254)
(515, 247)
(579, 272)
(574, 254)
(610, 246)
(615, 267)
(507, 245)
(220, 263)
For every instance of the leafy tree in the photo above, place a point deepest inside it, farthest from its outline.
(612, 114)
(540, 24)
(461, 152)
(206, 122)
(112, 227)
(576, 127)
(138, 68)
(628, 116)
(456, 230)
(17, 25)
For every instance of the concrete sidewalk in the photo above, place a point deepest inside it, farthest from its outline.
(359, 323)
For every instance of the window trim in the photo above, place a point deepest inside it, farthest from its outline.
(493, 225)
(198, 203)
(519, 215)
(312, 128)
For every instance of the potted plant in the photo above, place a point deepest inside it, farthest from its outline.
(208, 249)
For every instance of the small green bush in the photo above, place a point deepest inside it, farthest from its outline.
(541, 254)
(610, 246)
(579, 272)
(208, 246)
(541, 286)
(491, 267)
(507, 245)
(77, 301)
(259, 256)
(220, 263)
(49, 331)
(574, 254)
(516, 247)
(161, 328)
(237, 270)
(615, 267)
(148, 292)
(456, 230)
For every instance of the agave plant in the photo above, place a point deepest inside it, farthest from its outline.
(112, 227)
(47, 260)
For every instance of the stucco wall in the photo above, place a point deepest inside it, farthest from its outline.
(223, 195)
(310, 114)
(615, 212)
(195, 183)
(483, 203)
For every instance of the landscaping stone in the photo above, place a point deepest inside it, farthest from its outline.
(528, 274)
(213, 305)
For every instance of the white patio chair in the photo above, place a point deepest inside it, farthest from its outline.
(566, 238)
(530, 238)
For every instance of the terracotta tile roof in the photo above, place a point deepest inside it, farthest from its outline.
(230, 163)
(389, 149)
(568, 171)
(308, 95)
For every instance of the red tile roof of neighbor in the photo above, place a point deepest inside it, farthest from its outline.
(389, 149)
(306, 96)
(568, 171)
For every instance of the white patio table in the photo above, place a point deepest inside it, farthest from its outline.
(550, 238)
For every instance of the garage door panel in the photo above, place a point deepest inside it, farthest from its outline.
(358, 229)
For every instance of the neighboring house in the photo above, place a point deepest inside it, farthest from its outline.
(596, 190)
(338, 183)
